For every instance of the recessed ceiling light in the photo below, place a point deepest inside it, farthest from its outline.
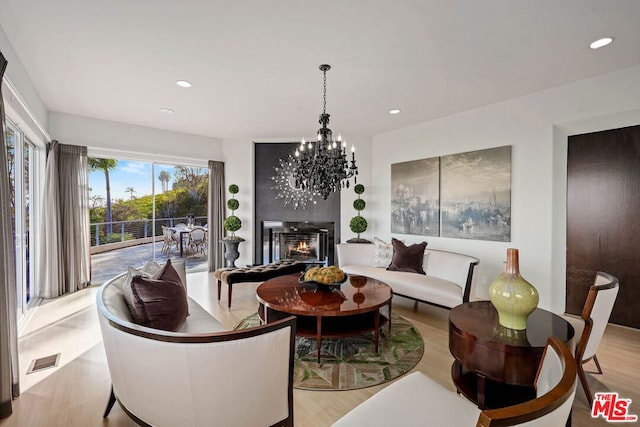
(394, 111)
(167, 110)
(183, 83)
(601, 43)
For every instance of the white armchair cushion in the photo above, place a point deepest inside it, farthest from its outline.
(413, 401)
(200, 321)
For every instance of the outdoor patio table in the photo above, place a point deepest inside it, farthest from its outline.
(182, 232)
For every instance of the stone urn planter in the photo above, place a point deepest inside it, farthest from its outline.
(231, 252)
(232, 224)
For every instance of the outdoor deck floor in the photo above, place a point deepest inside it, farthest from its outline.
(109, 264)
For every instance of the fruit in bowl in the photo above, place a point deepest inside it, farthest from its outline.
(325, 275)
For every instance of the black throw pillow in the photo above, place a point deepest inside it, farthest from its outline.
(407, 258)
(159, 304)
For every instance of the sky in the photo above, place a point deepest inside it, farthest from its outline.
(129, 174)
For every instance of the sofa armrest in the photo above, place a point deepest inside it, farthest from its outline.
(454, 267)
(355, 254)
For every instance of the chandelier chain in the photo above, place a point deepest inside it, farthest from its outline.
(324, 91)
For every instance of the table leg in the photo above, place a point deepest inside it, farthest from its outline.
(456, 373)
(376, 333)
(389, 317)
(319, 334)
(180, 235)
(481, 395)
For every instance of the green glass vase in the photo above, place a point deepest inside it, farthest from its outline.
(513, 297)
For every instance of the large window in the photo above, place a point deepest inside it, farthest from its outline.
(132, 202)
(20, 166)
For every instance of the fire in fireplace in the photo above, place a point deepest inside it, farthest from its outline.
(300, 246)
(300, 241)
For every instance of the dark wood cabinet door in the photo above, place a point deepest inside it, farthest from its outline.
(603, 218)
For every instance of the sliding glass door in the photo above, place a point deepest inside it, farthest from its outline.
(20, 165)
(132, 203)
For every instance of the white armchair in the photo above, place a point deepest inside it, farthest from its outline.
(197, 378)
(592, 323)
(416, 400)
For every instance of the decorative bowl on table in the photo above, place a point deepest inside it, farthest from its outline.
(329, 277)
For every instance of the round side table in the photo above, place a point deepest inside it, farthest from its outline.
(495, 366)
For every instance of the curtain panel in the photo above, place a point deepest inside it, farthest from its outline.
(9, 372)
(66, 258)
(216, 214)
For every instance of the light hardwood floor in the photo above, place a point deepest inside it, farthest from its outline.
(75, 393)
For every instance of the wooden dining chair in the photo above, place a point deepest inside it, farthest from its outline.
(591, 325)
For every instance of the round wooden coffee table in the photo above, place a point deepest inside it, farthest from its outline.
(353, 308)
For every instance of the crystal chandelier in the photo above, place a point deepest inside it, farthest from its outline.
(323, 167)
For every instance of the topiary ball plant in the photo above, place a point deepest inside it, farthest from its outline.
(232, 223)
(359, 204)
(358, 224)
(233, 204)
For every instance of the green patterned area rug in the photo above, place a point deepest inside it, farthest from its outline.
(350, 363)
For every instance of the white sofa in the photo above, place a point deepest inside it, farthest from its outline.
(447, 282)
(201, 375)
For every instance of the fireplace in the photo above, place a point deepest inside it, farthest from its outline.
(300, 246)
(309, 242)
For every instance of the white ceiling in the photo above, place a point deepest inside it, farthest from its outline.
(254, 63)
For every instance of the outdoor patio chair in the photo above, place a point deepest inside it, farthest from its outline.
(169, 240)
(198, 240)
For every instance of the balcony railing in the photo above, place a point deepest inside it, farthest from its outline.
(122, 231)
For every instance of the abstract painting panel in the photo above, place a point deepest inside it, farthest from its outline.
(415, 194)
(476, 195)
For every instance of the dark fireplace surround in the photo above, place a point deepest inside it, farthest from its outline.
(279, 228)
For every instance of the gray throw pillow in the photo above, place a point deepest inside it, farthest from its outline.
(127, 293)
(382, 253)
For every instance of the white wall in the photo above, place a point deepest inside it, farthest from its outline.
(536, 126)
(238, 169)
(363, 146)
(21, 99)
(104, 137)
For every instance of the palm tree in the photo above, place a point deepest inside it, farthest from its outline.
(130, 190)
(164, 178)
(105, 165)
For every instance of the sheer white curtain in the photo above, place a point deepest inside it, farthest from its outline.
(216, 214)
(66, 258)
(9, 373)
